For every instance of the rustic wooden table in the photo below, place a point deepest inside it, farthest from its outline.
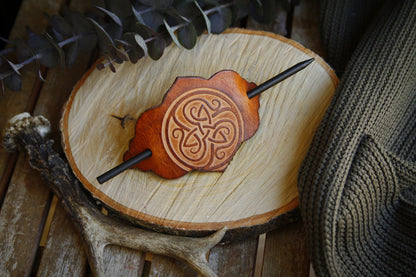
(38, 238)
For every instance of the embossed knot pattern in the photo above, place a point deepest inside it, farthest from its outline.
(202, 129)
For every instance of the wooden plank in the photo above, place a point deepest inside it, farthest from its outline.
(24, 210)
(26, 203)
(54, 93)
(121, 261)
(305, 26)
(56, 89)
(259, 256)
(165, 266)
(234, 259)
(286, 252)
(31, 13)
(64, 253)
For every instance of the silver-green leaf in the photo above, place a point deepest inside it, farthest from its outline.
(140, 41)
(172, 33)
(112, 15)
(206, 19)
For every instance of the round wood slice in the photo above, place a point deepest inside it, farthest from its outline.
(257, 191)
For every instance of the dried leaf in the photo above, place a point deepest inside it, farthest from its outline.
(121, 42)
(199, 25)
(88, 42)
(23, 51)
(58, 49)
(140, 41)
(156, 48)
(147, 2)
(60, 27)
(206, 19)
(187, 36)
(113, 30)
(82, 26)
(152, 19)
(134, 53)
(161, 4)
(38, 42)
(175, 14)
(100, 66)
(114, 56)
(113, 69)
(145, 31)
(172, 33)
(45, 52)
(71, 53)
(137, 14)
(13, 66)
(112, 15)
(120, 7)
(104, 39)
(220, 20)
(189, 10)
(40, 75)
(11, 74)
(156, 44)
(122, 55)
(13, 81)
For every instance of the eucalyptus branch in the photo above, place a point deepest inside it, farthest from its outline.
(70, 40)
(122, 30)
(214, 9)
(6, 51)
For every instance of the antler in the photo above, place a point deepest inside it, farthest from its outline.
(98, 230)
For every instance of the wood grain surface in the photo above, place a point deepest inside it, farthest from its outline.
(248, 193)
(282, 248)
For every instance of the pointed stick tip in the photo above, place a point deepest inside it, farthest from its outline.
(307, 62)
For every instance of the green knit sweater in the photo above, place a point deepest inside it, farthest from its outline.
(357, 184)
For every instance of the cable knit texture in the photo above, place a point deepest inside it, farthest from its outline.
(357, 184)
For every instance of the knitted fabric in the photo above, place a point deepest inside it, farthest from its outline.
(343, 22)
(357, 184)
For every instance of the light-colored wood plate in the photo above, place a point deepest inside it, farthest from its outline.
(259, 185)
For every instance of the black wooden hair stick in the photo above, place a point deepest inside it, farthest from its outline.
(278, 78)
(123, 166)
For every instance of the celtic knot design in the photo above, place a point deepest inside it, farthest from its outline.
(202, 129)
